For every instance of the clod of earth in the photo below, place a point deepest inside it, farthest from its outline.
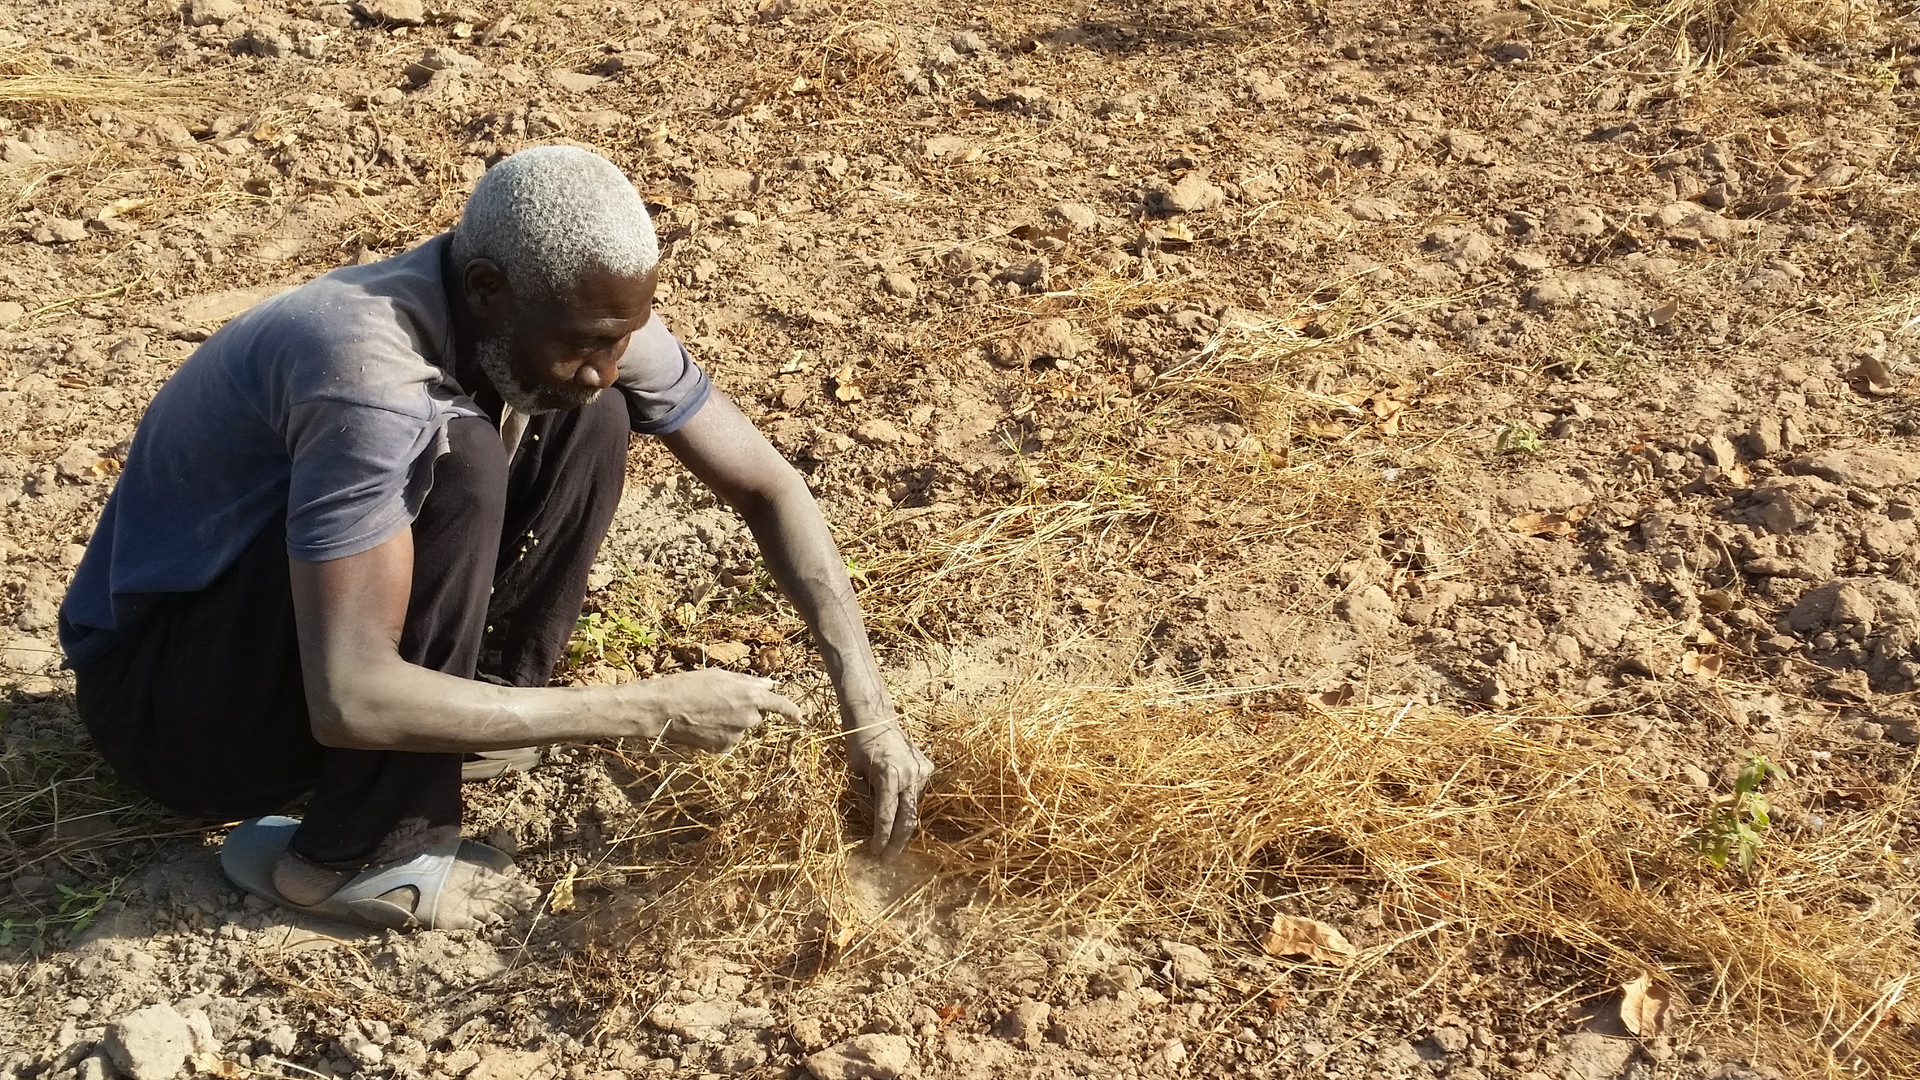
(1042, 339)
(393, 12)
(1187, 965)
(150, 1043)
(867, 1057)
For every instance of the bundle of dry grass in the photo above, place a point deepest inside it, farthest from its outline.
(32, 77)
(1175, 813)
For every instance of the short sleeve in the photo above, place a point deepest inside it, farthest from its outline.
(662, 384)
(359, 474)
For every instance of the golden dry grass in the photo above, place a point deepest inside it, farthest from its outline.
(34, 78)
(1168, 811)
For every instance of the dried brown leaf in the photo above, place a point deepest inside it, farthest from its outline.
(1541, 523)
(1875, 377)
(845, 388)
(1645, 1006)
(1704, 666)
(561, 899)
(1293, 935)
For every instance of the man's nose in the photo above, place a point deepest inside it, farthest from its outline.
(597, 376)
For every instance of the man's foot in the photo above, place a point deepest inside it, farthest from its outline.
(447, 885)
(472, 895)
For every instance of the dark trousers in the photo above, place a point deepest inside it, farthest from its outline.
(202, 707)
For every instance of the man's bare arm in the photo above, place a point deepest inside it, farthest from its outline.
(361, 695)
(725, 450)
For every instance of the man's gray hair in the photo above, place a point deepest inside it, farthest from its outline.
(549, 215)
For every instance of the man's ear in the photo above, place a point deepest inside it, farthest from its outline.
(487, 291)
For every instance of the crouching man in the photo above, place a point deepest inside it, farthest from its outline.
(353, 534)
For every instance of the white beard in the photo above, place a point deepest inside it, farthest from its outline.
(492, 354)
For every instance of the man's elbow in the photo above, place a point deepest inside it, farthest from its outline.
(778, 489)
(346, 725)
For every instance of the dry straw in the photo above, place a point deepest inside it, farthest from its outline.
(38, 79)
(1161, 811)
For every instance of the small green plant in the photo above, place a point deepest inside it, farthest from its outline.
(857, 571)
(599, 636)
(69, 919)
(1733, 833)
(1517, 437)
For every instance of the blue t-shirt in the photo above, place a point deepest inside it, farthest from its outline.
(326, 406)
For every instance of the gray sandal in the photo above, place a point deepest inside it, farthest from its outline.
(488, 764)
(253, 847)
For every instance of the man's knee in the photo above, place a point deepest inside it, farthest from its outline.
(603, 431)
(470, 480)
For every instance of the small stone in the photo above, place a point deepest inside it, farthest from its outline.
(828, 444)
(149, 1043)
(1451, 1039)
(866, 1057)
(10, 313)
(1114, 980)
(1528, 262)
(94, 1066)
(940, 147)
(281, 1040)
(1025, 1025)
(60, 231)
(574, 82)
(438, 59)
(1076, 216)
(362, 1049)
(1867, 731)
(1549, 296)
(728, 653)
(1369, 611)
(393, 12)
(1580, 222)
(710, 185)
(1192, 194)
(1372, 209)
(1186, 964)
(900, 285)
(741, 219)
(966, 42)
(1030, 273)
(1043, 339)
(210, 12)
(79, 464)
(878, 432)
(1696, 777)
(1860, 466)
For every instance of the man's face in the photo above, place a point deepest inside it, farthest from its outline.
(547, 355)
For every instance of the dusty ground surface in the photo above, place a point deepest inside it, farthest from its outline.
(1607, 415)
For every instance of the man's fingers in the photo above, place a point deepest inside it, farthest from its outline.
(779, 703)
(905, 821)
(886, 800)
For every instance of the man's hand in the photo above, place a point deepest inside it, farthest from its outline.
(896, 772)
(710, 709)
(722, 448)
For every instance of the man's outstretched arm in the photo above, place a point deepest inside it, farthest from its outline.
(725, 450)
(362, 695)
